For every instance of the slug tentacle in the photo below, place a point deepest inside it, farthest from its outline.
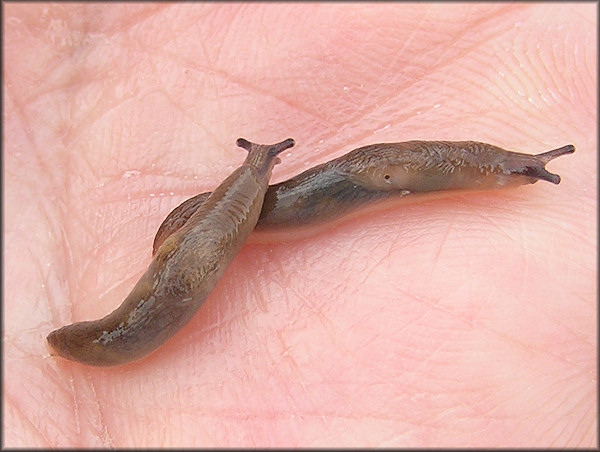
(538, 172)
(186, 266)
(256, 158)
(551, 155)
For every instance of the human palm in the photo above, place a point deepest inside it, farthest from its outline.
(469, 320)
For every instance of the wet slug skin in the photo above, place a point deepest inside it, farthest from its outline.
(185, 268)
(383, 171)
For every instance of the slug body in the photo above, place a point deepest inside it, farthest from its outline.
(382, 171)
(183, 272)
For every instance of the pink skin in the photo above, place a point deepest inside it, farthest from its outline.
(465, 321)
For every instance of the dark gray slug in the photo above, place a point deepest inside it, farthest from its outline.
(381, 171)
(184, 270)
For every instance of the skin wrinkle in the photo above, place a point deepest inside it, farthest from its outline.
(97, 113)
(68, 272)
(525, 59)
(501, 226)
(63, 75)
(588, 91)
(102, 426)
(551, 71)
(225, 37)
(462, 319)
(39, 91)
(514, 84)
(265, 93)
(258, 297)
(551, 427)
(373, 264)
(440, 247)
(370, 112)
(142, 17)
(231, 78)
(73, 394)
(17, 108)
(44, 275)
(14, 406)
(189, 116)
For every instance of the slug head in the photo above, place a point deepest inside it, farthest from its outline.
(533, 167)
(264, 156)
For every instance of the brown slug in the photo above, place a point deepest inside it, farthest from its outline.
(383, 171)
(183, 272)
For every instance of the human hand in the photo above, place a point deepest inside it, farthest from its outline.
(466, 321)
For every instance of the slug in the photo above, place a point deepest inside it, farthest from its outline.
(183, 271)
(382, 171)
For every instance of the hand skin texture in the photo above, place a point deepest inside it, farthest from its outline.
(465, 321)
